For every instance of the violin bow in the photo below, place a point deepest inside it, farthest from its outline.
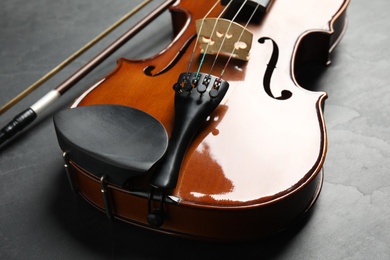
(26, 117)
(75, 55)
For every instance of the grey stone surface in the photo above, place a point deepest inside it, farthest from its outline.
(40, 218)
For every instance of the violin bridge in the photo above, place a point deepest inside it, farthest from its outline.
(216, 32)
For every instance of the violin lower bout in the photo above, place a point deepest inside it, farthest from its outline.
(211, 223)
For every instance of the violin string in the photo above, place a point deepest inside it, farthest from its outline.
(224, 38)
(239, 39)
(212, 33)
(197, 38)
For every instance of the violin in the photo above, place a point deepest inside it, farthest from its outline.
(212, 138)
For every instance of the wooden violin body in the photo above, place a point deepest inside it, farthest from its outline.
(255, 164)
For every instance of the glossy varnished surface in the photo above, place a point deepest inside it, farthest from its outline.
(202, 223)
(254, 148)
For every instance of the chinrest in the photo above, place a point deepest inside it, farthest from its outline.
(117, 141)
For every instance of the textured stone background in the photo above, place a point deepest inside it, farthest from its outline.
(40, 218)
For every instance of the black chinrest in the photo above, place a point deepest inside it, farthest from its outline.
(117, 141)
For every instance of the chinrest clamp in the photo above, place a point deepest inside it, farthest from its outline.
(68, 171)
(156, 216)
(106, 199)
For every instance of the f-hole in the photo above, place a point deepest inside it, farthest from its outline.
(148, 70)
(285, 94)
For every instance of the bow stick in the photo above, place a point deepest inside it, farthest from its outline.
(54, 71)
(26, 117)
